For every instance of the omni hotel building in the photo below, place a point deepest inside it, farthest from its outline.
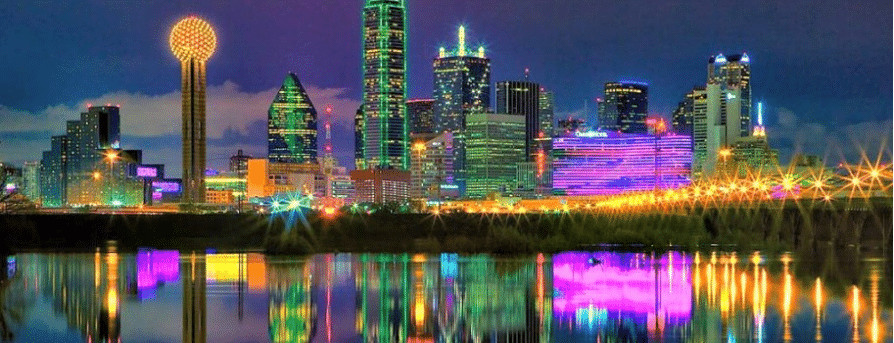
(602, 163)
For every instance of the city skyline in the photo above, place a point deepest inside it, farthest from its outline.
(144, 94)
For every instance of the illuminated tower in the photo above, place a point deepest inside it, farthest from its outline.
(462, 84)
(292, 125)
(193, 42)
(386, 136)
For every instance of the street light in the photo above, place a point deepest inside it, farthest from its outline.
(111, 156)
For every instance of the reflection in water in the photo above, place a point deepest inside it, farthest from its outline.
(576, 296)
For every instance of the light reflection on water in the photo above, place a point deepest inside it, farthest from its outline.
(171, 296)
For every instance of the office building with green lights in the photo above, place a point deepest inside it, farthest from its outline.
(385, 122)
(495, 145)
(292, 124)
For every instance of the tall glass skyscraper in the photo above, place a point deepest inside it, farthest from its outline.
(386, 127)
(292, 125)
(522, 98)
(625, 107)
(494, 149)
(462, 84)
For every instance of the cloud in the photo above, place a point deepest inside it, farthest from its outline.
(796, 134)
(235, 118)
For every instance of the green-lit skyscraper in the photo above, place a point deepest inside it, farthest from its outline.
(292, 125)
(495, 145)
(386, 137)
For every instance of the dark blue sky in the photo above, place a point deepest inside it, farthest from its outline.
(823, 63)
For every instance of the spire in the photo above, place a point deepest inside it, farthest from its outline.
(760, 114)
(527, 73)
(480, 52)
(461, 39)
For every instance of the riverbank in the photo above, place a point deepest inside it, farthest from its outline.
(868, 226)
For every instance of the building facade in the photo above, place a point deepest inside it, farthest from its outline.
(421, 112)
(547, 112)
(600, 162)
(239, 163)
(522, 98)
(728, 109)
(87, 167)
(625, 107)
(292, 124)
(495, 145)
(431, 167)
(265, 178)
(381, 186)
(31, 180)
(386, 126)
(359, 141)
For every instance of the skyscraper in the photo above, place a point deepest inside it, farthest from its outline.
(421, 112)
(461, 84)
(31, 180)
(494, 148)
(53, 173)
(386, 128)
(193, 41)
(547, 112)
(690, 118)
(733, 76)
(522, 98)
(625, 107)
(728, 107)
(87, 167)
(292, 124)
(359, 141)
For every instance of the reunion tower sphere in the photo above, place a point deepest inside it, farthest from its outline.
(193, 38)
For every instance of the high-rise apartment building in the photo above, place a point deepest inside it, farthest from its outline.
(522, 98)
(292, 124)
(495, 145)
(87, 166)
(461, 84)
(421, 112)
(386, 128)
(625, 107)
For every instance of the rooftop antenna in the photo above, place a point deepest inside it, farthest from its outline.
(527, 73)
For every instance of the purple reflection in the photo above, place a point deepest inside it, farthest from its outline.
(156, 267)
(624, 283)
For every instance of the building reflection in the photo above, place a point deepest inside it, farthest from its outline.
(574, 296)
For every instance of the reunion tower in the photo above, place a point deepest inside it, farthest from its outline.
(193, 42)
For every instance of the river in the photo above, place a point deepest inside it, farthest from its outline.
(829, 295)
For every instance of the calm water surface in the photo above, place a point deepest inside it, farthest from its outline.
(184, 296)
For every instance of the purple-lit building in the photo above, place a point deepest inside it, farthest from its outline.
(599, 163)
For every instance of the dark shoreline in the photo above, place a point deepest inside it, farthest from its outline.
(768, 229)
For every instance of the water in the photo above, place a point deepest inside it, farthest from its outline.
(171, 296)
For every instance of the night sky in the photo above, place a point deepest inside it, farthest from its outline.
(822, 68)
